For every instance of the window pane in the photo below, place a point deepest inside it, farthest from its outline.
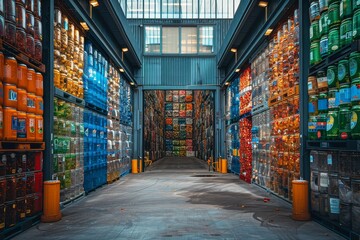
(206, 43)
(152, 39)
(170, 40)
(188, 40)
(187, 7)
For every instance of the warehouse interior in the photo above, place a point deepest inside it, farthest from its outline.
(182, 119)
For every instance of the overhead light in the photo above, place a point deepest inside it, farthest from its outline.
(94, 3)
(122, 70)
(263, 4)
(268, 32)
(227, 83)
(85, 26)
(234, 50)
(237, 70)
(132, 83)
(124, 49)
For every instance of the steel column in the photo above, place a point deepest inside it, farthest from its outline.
(47, 9)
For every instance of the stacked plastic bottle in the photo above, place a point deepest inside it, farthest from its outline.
(113, 125)
(95, 150)
(261, 120)
(126, 111)
(95, 77)
(126, 146)
(284, 107)
(68, 55)
(154, 143)
(68, 149)
(21, 113)
(204, 124)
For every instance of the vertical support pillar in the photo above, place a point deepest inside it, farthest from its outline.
(304, 42)
(47, 9)
(219, 130)
(138, 124)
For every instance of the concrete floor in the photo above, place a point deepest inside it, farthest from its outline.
(177, 198)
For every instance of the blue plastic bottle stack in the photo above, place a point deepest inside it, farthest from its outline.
(235, 100)
(95, 150)
(95, 77)
(235, 146)
(125, 103)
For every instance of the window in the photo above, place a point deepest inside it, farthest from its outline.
(179, 40)
(206, 39)
(188, 40)
(179, 9)
(152, 39)
(170, 40)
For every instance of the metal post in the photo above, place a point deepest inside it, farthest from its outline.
(304, 42)
(47, 9)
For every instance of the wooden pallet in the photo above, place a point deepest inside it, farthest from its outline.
(283, 95)
(6, 146)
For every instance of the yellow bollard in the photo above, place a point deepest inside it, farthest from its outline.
(300, 209)
(224, 165)
(140, 165)
(134, 166)
(51, 201)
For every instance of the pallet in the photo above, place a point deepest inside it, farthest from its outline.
(283, 95)
(71, 200)
(69, 97)
(113, 180)
(11, 146)
(260, 108)
(20, 227)
(96, 109)
(20, 56)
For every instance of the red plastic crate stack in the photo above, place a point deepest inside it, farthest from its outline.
(245, 149)
(245, 91)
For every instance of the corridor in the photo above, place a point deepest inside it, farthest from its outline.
(178, 198)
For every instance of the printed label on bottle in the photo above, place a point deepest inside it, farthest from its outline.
(329, 123)
(311, 107)
(1, 93)
(312, 127)
(322, 104)
(329, 159)
(30, 103)
(40, 126)
(330, 76)
(355, 92)
(354, 120)
(353, 67)
(310, 86)
(311, 158)
(341, 72)
(331, 102)
(32, 125)
(311, 32)
(324, 180)
(321, 126)
(41, 105)
(344, 95)
(21, 128)
(23, 157)
(334, 205)
(13, 123)
(12, 95)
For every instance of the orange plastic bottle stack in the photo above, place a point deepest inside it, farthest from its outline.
(31, 81)
(10, 95)
(22, 100)
(39, 135)
(39, 85)
(22, 76)
(31, 120)
(21, 126)
(10, 124)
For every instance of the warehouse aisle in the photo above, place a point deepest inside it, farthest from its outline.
(178, 203)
